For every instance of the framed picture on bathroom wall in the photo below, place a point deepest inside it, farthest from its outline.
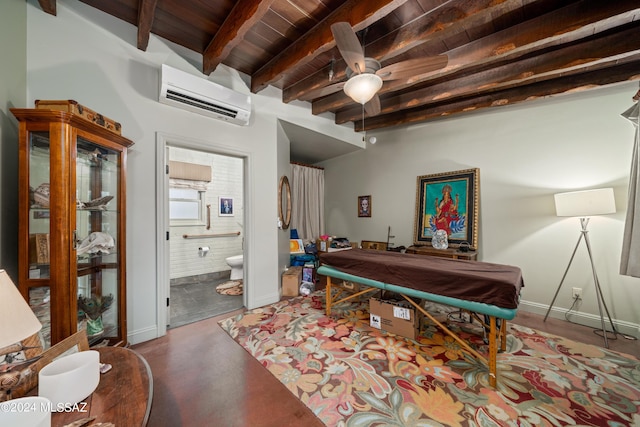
(225, 206)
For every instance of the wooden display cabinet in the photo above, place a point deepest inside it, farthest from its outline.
(71, 227)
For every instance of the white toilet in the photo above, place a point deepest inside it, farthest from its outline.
(235, 262)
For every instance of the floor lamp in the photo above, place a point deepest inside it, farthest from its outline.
(583, 204)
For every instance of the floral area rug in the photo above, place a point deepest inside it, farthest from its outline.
(230, 287)
(349, 374)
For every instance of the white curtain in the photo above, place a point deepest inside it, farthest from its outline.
(630, 261)
(307, 201)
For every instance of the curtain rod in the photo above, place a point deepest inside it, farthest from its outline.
(307, 166)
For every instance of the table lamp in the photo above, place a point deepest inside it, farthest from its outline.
(17, 322)
(584, 204)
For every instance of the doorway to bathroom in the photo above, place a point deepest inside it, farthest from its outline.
(205, 199)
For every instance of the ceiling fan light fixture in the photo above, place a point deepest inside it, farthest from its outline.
(362, 87)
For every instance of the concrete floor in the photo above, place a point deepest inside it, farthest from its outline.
(193, 299)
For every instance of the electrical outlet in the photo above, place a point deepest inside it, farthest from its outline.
(576, 293)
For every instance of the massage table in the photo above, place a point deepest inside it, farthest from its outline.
(492, 290)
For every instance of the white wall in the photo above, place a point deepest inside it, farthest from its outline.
(226, 181)
(525, 154)
(13, 93)
(85, 55)
(284, 169)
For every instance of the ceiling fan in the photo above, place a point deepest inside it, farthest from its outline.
(366, 75)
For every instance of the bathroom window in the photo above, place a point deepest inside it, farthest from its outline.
(186, 206)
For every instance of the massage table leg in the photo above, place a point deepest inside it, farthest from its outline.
(493, 339)
(503, 335)
(493, 351)
(331, 299)
(328, 290)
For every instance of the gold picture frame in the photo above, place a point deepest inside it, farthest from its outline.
(448, 201)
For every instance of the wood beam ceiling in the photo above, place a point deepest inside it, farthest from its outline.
(565, 84)
(244, 15)
(360, 14)
(146, 15)
(433, 28)
(48, 6)
(499, 51)
(520, 54)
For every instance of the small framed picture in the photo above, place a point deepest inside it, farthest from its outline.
(225, 206)
(364, 206)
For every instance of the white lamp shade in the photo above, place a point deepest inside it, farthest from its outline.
(362, 87)
(585, 203)
(17, 321)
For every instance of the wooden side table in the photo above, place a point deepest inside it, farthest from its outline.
(123, 396)
(453, 253)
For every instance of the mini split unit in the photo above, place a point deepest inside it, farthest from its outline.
(202, 96)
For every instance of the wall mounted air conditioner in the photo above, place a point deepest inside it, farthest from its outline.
(202, 96)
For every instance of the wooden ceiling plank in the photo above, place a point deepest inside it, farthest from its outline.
(443, 22)
(560, 86)
(360, 14)
(146, 15)
(178, 31)
(564, 25)
(575, 59)
(48, 6)
(242, 17)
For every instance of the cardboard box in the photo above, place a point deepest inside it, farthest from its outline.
(291, 280)
(322, 245)
(394, 317)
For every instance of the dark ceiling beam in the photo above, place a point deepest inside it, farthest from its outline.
(360, 14)
(589, 55)
(559, 86)
(244, 15)
(565, 25)
(445, 21)
(48, 6)
(146, 15)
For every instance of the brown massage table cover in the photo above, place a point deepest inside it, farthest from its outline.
(484, 282)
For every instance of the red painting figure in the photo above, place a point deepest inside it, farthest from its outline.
(446, 210)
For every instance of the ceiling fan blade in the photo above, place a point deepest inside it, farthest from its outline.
(323, 91)
(373, 106)
(349, 46)
(412, 67)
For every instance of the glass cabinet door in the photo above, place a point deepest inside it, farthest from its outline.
(98, 267)
(39, 229)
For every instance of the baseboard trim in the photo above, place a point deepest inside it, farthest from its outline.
(261, 302)
(581, 318)
(142, 335)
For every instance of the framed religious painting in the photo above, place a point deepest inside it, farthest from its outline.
(448, 201)
(364, 206)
